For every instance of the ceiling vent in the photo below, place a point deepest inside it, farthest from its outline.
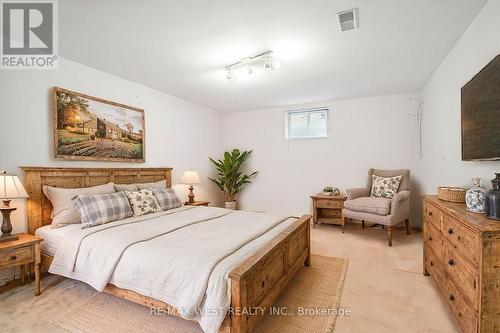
(348, 20)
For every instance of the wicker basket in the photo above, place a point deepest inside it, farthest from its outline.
(452, 194)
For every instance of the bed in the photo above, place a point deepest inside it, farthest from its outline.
(266, 264)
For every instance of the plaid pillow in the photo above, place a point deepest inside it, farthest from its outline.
(143, 202)
(102, 208)
(385, 187)
(166, 198)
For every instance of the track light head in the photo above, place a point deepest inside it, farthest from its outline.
(231, 78)
(270, 64)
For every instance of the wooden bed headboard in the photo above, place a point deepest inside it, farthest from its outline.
(40, 208)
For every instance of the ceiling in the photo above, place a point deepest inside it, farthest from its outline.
(181, 47)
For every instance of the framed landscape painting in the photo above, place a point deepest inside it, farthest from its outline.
(90, 128)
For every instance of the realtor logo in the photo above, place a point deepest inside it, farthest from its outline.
(28, 34)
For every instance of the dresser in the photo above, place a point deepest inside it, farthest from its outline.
(462, 256)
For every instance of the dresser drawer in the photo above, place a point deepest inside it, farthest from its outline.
(327, 203)
(460, 309)
(461, 273)
(432, 237)
(433, 215)
(15, 256)
(433, 265)
(465, 240)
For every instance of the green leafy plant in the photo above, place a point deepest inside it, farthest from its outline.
(328, 189)
(230, 177)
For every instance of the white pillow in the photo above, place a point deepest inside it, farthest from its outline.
(64, 211)
(125, 187)
(161, 184)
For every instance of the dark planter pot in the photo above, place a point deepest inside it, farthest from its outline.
(492, 204)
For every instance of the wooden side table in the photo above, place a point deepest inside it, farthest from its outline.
(197, 203)
(22, 252)
(328, 209)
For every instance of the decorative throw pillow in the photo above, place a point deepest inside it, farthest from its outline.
(63, 210)
(385, 187)
(102, 208)
(166, 198)
(143, 202)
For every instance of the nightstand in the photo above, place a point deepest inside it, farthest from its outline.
(197, 203)
(22, 252)
(328, 209)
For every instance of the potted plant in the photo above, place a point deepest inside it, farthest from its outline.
(329, 190)
(230, 177)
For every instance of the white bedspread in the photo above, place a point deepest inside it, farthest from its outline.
(180, 256)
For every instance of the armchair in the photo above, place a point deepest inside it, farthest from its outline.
(387, 212)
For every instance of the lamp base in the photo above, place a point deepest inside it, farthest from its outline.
(191, 194)
(6, 225)
(8, 238)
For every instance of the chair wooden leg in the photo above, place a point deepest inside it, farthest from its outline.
(389, 235)
(407, 223)
(363, 224)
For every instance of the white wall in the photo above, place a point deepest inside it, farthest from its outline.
(179, 134)
(442, 164)
(366, 132)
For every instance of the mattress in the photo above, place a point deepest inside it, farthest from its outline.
(52, 236)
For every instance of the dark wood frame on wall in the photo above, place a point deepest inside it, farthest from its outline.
(55, 91)
(493, 91)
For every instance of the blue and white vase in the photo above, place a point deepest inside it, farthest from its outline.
(475, 197)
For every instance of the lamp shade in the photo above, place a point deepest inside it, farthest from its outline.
(190, 177)
(11, 187)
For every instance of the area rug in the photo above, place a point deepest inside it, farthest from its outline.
(310, 303)
(402, 255)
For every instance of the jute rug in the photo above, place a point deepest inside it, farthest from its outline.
(308, 304)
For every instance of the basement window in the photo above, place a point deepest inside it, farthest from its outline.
(306, 124)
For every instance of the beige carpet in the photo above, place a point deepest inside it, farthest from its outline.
(318, 287)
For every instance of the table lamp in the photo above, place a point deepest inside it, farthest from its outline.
(10, 188)
(190, 177)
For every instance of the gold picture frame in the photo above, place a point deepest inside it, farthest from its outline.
(88, 128)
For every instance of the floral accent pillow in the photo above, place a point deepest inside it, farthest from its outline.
(143, 202)
(385, 187)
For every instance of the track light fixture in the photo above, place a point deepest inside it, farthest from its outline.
(247, 65)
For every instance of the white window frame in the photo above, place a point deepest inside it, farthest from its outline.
(306, 110)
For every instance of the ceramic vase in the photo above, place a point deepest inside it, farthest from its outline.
(493, 199)
(475, 197)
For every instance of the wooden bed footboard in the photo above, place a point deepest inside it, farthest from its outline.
(258, 281)
(255, 283)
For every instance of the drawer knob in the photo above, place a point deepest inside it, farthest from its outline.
(13, 257)
(451, 297)
(451, 262)
(430, 213)
(450, 231)
(432, 263)
(430, 238)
